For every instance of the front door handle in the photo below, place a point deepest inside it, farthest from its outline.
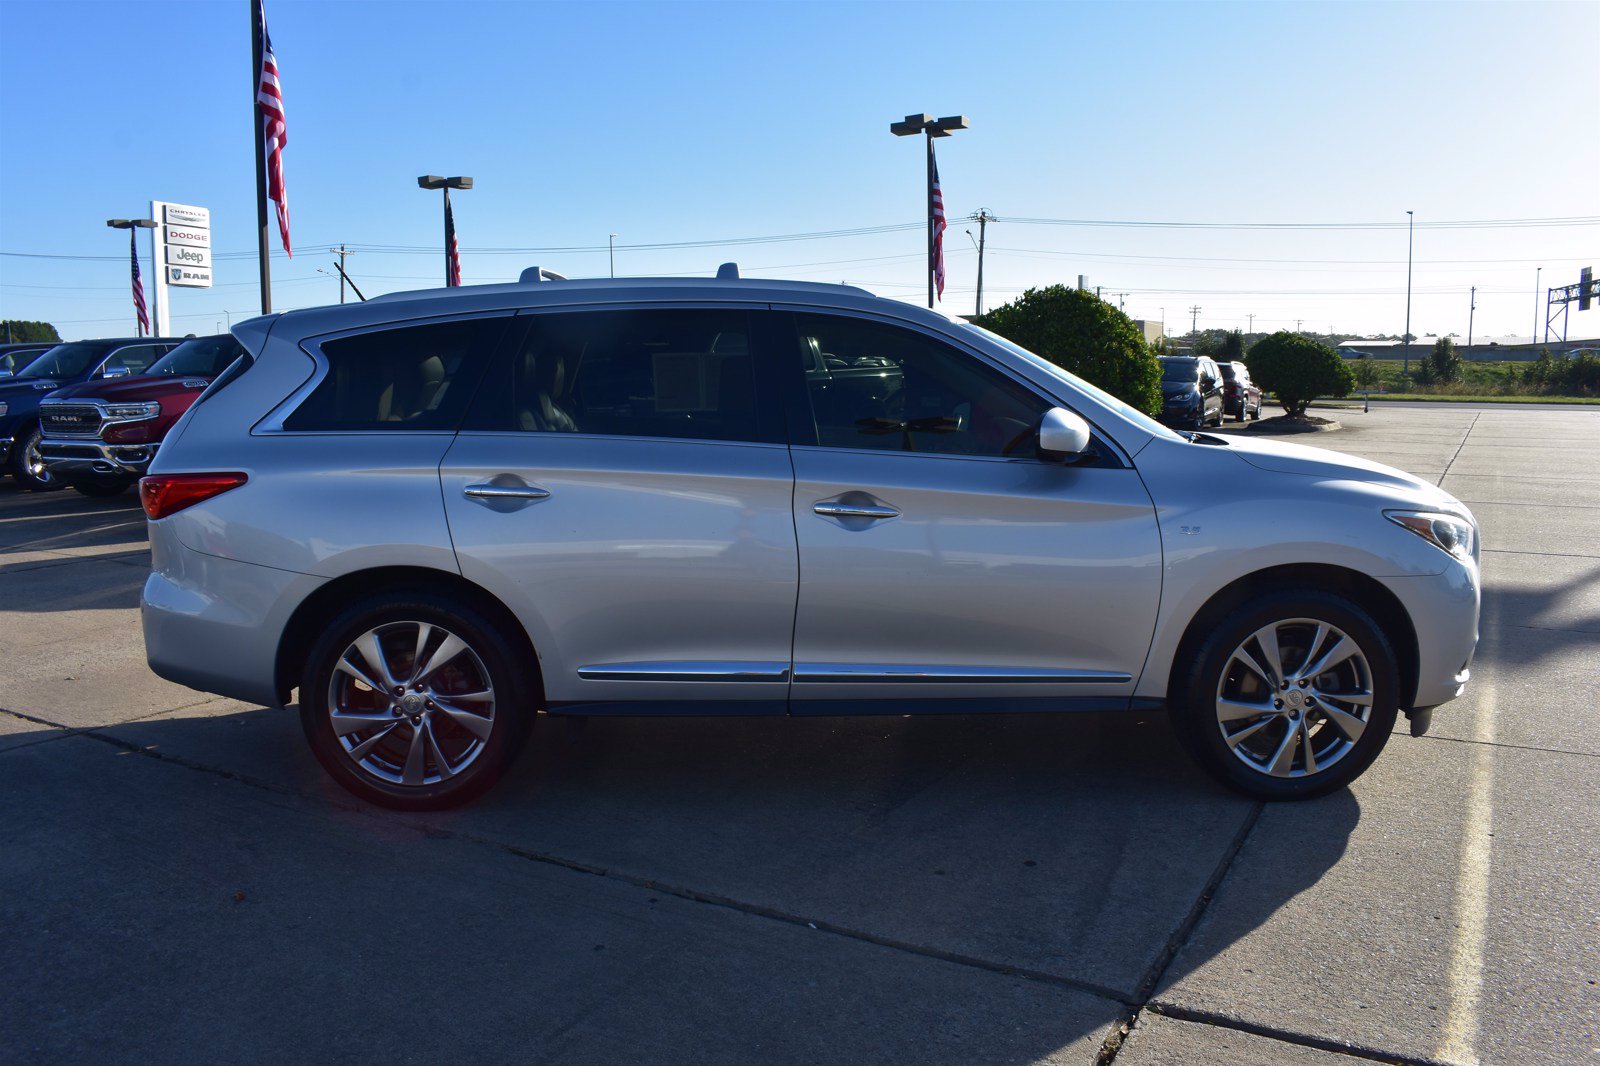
(854, 510)
(505, 492)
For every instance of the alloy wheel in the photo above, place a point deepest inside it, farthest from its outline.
(411, 703)
(1294, 698)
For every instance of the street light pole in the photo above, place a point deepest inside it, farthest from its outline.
(434, 181)
(1411, 220)
(1472, 308)
(931, 128)
(1533, 338)
(131, 224)
(611, 247)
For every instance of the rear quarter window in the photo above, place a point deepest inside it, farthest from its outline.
(407, 379)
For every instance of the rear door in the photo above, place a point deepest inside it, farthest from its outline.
(624, 485)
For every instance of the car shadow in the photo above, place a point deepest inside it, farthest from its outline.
(1066, 853)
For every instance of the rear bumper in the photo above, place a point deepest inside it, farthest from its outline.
(214, 624)
(69, 459)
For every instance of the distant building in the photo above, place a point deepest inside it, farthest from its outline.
(1153, 331)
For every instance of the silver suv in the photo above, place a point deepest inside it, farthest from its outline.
(438, 513)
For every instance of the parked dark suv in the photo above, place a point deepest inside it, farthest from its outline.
(13, 357)
(64, 364)
(1241, 397)
(1191, 391)
(99, 436)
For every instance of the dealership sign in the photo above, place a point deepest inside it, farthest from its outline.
(181, 250)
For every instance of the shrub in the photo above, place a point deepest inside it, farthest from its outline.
(1083, 334)
(1297, 370)
(1444, 363)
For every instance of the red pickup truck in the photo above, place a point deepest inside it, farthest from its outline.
(99, 436)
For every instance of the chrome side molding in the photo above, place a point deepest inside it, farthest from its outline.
(686, 671)
(880, 673)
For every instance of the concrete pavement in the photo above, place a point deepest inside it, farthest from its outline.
(178, 876)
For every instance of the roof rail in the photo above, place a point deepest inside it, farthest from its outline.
(537, 273)
(728, 272)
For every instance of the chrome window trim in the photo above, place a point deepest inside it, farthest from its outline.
(687, 671)
(272, 422)
(545, 434)
(917, 674)
(961, 344)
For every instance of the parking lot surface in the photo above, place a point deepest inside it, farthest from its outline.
(178, 877)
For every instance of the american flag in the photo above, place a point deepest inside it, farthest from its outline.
(274, 129)
(452, 251)
(936, 199)
(138, 287)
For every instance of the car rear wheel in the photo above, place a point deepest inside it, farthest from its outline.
(27, 466)
(1292, 696)
(415, 702)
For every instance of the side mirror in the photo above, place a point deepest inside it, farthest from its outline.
(115, 372)
(1062, 435)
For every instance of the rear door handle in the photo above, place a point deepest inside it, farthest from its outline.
(505, 492)
(854, 510)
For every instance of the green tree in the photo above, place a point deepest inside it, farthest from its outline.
(1083, 334)
(1445, 362)
(1366, 372)
(1297, 370)
(1231, 349)
(12, 329)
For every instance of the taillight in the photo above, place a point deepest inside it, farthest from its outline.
(166, 494)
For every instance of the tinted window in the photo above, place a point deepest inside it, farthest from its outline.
(199, 356)
(64, 361)
(1228, 371)
(135, 358)
(407, 379)
(1177, 368)
(648, 373)
(884, 387)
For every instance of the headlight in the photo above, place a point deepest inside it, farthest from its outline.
(1446, 531)
(131, 412)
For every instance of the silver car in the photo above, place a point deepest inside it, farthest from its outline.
(435, 514)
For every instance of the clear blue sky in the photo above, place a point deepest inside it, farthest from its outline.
(677, 122)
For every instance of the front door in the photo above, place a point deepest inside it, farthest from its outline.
(940, 559)
(623, 485)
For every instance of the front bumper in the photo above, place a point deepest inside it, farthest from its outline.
(69, 459)
(1444, 614)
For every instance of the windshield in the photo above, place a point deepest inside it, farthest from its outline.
(64, 361)
(198, 356)
(1176, 368)
(1132, 414)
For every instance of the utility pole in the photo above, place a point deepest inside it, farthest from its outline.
(1194, 318)
(1252, 328)
(611, 247)
(1473, 307)
(1297, 324)
(1533, 337)
(1411, 220)
(984, 218)
(341, 252)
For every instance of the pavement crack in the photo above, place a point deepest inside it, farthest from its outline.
(1287, 1036)
(1464, 438)
(1180, 937)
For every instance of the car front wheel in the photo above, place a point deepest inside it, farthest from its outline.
(415, 702)
(1292, 696)
(27, 466)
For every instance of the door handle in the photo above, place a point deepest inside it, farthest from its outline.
(505, 492)
(854, 510)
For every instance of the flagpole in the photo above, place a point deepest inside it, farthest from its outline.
(256, 44)
(929, 139)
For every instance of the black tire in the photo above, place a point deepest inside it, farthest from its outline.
(103, 489)
(1199, 682)
(513, 703)
(36, 480)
